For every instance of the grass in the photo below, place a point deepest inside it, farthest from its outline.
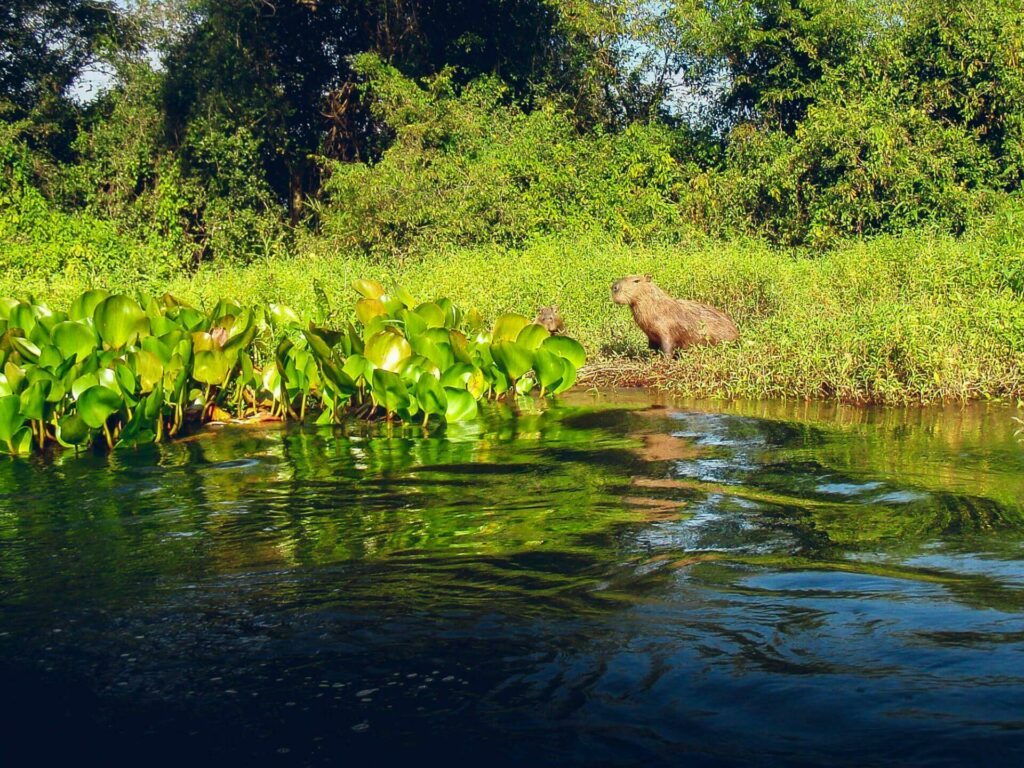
(907, 319)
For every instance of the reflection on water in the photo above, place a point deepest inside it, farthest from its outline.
(601, 581)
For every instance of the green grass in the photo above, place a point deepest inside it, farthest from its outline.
(915, 318)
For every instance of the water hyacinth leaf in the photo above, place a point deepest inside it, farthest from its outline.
(282, 315)
(432, 314)
(390, 391)
(549, 368)
(498, 380)
(97, 404)
(119, 321)
(192, 319)
(11, 419)
(415, 325)
(371, 289)
(158, 349)
(148, 368)
(507, 327)
(25, 348)
(387, 350)
(5, 386)
(532, 336)
(524, 385)
(457, 376)
(368, 309)
(21, 443)
(107, 378)
(211, 367)
(568, 378)
(240, 334)
(15, 375)
(440, 354)
(462, 406)
(125, 379)
(49, 357)
(7, 305)
(513, 359)
(75, 339)
(72, 429)
(82, 383)
(85, 305)
(358, 368)
(566, 348)
(431, 395)
(21, 316)
(403, 295)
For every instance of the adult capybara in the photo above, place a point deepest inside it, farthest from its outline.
(550, 319)
(671, 324)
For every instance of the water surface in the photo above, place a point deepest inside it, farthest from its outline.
(609, 581)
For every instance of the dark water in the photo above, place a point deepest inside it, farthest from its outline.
(594, 583)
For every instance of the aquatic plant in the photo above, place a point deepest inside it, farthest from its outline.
(414, 360)
(114, 371)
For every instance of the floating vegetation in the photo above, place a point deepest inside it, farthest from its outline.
(113, 371)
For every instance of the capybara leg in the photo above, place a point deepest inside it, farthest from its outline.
(667, 347)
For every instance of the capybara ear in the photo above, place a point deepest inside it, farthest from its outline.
(647, 278)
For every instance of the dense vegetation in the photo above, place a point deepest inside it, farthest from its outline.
(843, 176)
(114, 370)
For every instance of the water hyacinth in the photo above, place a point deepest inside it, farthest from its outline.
(113, 371)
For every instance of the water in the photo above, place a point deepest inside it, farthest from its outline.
(603, 581)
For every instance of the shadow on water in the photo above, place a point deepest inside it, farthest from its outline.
(607, 580)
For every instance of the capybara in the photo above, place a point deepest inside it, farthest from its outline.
(550, 319)
(671, 324)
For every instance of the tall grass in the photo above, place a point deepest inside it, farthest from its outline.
(896, 319)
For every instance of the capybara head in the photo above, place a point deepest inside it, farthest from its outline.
(625, 290)
(550, 318)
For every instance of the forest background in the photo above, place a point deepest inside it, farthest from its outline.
(842, 176)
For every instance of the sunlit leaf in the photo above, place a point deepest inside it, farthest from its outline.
(96, 404)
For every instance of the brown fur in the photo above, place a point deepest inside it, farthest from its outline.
(672, 324)
(550, 319)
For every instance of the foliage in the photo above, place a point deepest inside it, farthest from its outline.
(416, 359)
(466, 168)
(110, 368)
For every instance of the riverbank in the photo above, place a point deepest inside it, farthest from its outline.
(917, 318)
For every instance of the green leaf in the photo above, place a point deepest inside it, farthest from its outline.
(367, 309)
(82, 383)
(371, 289)
(507, 327)
(532, 336)
(461, 405)
(432, 314)
(11, 419)
(431, 395)
(513, 359)
(211, 367)
(390, 391)
(72, 430)
(25, 348)
(568, 378)
(549, 368)
(566, 348)
(119, 321)
(33, 400)
(148, 368)
(282, 315)
(387, 349)
(85, 305)
(96, 405)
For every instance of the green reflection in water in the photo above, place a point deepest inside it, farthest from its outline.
(583, 504)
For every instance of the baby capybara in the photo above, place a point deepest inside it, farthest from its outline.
(550, 319)
(671, 324)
